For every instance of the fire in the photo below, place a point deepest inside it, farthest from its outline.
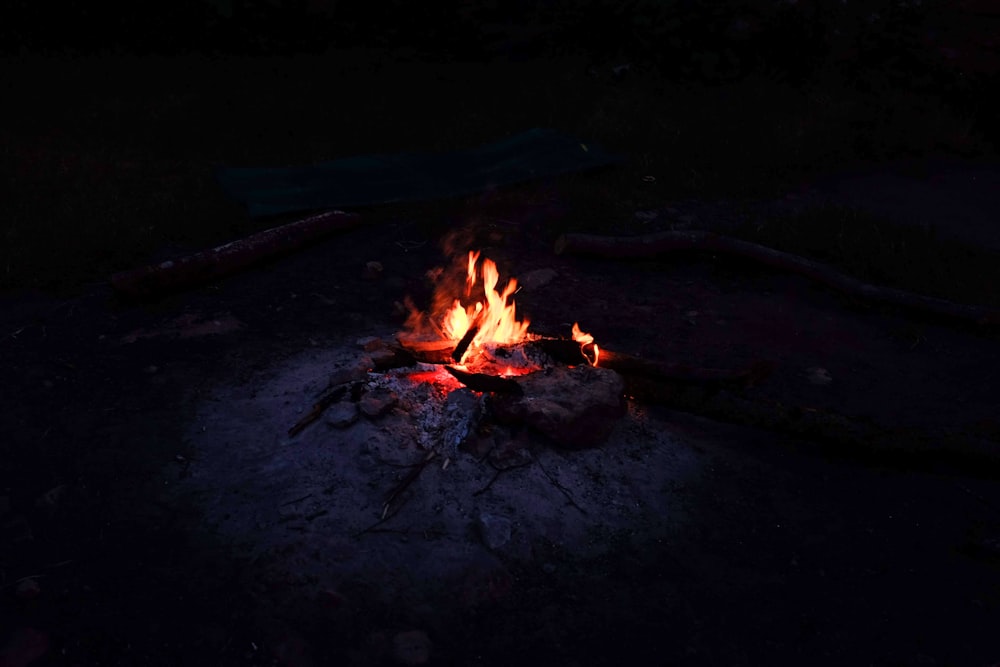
(472, 317)
(493, 318)
(585, 339)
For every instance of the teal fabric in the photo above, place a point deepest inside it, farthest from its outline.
(381, 179)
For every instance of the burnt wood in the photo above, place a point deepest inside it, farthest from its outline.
(207, 265)
(486, 383)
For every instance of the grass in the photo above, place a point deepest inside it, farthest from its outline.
(105, 168)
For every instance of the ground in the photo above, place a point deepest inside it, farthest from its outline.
(753, 546)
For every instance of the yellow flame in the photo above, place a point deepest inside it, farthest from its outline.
(586, 339)
(496, 318)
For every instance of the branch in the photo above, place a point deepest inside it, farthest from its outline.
(651, 245)
(207, 265)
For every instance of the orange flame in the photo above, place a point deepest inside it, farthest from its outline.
(585, 339)
(495, 316)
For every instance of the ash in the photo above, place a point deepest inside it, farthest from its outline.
(444, 413)
(309, 510)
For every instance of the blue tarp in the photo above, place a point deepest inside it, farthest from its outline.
(382, 179)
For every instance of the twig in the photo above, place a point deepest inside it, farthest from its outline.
(561, 488)
(317, 410)
(496, 476)
(297, 500)
(405, 483)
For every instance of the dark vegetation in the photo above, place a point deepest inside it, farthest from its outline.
(112, 132)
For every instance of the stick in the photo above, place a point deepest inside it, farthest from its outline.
(405, 483)
(317, 410)
(208, 265)
(651, 245)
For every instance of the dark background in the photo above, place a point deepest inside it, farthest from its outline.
(115, 115)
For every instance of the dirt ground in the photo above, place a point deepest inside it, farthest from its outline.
(155, 512)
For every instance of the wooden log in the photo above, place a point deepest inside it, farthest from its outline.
(463, 345)
(652, 245)
(569, 352)
(486, 383)
(207, 265)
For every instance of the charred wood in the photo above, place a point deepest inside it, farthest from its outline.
(207, 265)
(486, 383)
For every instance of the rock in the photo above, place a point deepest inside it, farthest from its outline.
(378, 402)
(373, 270)
(411, 648)
(538, 278)
(341, 415)
(371, 343)
(575, 407)
(27, 589)
(24, 646)
(494, 529)
(819, 376)
(354, 372)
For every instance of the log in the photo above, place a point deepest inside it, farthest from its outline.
(207, 265)
(568, 352)
(652, 245)
(486, 383)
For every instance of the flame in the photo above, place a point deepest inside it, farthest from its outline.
(585, 339)
(495, 316)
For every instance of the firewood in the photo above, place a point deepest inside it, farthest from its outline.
(680, 373)
(207, 265)
(486, 383)
(652, 245)
(464, 343)
(568, 351)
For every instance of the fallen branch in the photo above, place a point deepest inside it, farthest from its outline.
(208, 265)
(652, 245)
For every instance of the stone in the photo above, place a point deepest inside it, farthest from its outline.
(341, 415)
(575, 407)
(494, 529)
(378, 402)
(372, 271)
(412, 647)
(537, 278)
(371, 343)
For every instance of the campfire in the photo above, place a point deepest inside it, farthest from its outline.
(469, 377)
(480, 326)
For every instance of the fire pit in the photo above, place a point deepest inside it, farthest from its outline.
(407, 469)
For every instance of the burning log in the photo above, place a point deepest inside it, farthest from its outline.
(571, 352)
(652, 245)
(464, 343)
(486, 383)
(208, 265)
